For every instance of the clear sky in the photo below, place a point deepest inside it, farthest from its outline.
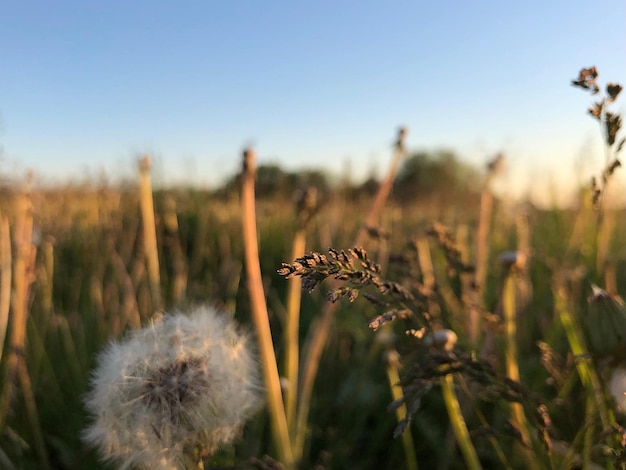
(86, 85)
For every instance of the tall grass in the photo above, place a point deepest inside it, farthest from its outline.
(81, 265)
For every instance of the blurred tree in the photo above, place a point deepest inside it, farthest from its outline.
(273, 181)
(436, 177)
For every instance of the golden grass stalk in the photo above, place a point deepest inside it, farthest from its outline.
(260, 316)
(385, 188)
(33, 416)
(470, 297)
(129, 311)
(584, 362)
(512, 367)
(170, 224)
(428, 278)
(320, 329)
(604, 236)
(5, 278)
(482, 239)
(458, 423)
(149, 232)
(482, 250)
(23, 276)
(21, 281)
(292, 347)
(47, 273)
(393, 364)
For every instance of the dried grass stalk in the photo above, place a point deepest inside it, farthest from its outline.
(149, 232)
(260, 315)
(320, 329)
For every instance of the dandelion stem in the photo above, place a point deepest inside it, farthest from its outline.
(393, 363)
(512, 366)
(23, 276)
(5, 278)
(260, 315)
(294, 295)
(458, 423)
(584, 363)
(149, 232)
(321, 328)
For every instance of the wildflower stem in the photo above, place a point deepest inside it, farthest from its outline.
(393, 363)
(383, 191)
(469, 295)
(494, 442)
(149, 232)
(584, 362)
(482, 243)
(24, 252)
(5, 278)
(33, 416)
(588, 432)
(23, 276)
(294, 295)
(260, 316)
(179, 265)
(512, 366)
(458, 423)
(321, 328)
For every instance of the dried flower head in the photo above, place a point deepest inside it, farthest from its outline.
(617, 388)
(185, 382)
(587, 80)
(513, 259)
(605, 323)
(444, 340)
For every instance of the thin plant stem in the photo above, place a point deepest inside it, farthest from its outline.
(482, 242)
(292, 347)
(33, 416)
(456, 429)
(46, 279)
(128, 312)
(428, 278)
(393, 364)
(494, 442)
(172, 240)
(23, 276)
(5, 278)
(589, 431)
(25, 252)
(605, 232)
(512, 367)
(260, 316)
(469, 294)
(475, 295)
(584, 362)
(149, 232)
(321, 328)
(384, 190)
(458, 423)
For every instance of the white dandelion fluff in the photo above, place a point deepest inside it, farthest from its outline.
(185, 382)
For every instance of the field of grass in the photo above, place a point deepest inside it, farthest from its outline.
(506, 364)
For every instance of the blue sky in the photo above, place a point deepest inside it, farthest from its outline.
(86, 85)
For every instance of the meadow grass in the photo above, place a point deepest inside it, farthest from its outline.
(93, 266)
(519, 386)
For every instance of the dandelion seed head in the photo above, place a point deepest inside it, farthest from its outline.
(444, 340)
(186, 380)
(617, 388)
